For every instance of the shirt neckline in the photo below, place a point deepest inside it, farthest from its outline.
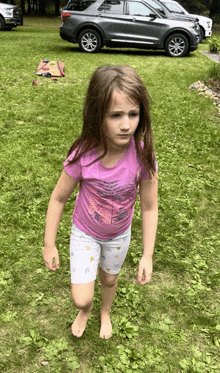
(119, 162)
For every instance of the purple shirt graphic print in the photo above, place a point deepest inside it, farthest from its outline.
(113, 201)
(105, 203)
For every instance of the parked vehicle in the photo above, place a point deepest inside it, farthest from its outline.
(205, 23)
(9, 17)
(126, 23)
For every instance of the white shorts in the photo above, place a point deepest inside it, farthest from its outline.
(86, 253)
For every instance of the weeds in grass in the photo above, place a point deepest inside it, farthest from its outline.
(213, 78)
(214, 71)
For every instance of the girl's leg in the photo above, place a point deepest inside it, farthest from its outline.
(82, 295)
(84, 258)
(108, 288)
(113, 254)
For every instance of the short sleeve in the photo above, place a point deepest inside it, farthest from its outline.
(144, 174)
(74, 170)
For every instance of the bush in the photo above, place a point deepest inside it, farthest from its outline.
(214, 44)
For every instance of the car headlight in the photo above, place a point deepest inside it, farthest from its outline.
(208, 24)
(9, 12)
(195, 26)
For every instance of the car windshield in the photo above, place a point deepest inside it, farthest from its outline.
(156, 6)
(174, 8)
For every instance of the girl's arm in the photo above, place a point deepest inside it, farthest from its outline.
(65, 186)
(149, 212)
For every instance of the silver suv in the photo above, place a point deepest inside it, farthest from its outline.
(127, 23)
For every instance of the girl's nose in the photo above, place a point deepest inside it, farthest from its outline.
(125, 124)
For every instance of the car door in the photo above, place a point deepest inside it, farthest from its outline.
(113, 20)
(144, 26)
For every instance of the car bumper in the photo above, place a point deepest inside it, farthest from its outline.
(208, 33)
(67, 34)
(195, 38)
(13, 22)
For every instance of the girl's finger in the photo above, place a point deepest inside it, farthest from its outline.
(140, 275)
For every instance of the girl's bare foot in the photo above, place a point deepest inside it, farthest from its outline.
(79, 324)
(106, 326)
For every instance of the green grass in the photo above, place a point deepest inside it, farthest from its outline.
(171, 325)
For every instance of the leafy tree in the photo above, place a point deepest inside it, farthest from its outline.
(215, 8)
(199, 6)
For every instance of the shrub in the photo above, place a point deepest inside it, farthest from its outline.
(214, 44)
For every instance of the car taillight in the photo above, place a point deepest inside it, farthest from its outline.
(64, 16)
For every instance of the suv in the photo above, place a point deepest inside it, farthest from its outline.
(205, 23)
(9, 17)
(126, 23)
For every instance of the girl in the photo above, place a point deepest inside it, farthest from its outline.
(109, 162)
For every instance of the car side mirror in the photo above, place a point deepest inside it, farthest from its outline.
(152, 15)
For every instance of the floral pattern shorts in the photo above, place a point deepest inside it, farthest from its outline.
(86, 253)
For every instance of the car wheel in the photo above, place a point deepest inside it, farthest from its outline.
(177, 45)
(89, 41)
(202, 35)
(2, 24)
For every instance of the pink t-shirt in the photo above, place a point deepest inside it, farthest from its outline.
(105, 203)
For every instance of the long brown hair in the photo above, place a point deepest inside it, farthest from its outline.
(103, 82)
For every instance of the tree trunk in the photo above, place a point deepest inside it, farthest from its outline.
(42, 7)
(23, 6)
(57, 7)
(29, 7)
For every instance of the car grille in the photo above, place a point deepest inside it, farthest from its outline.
(16, 14)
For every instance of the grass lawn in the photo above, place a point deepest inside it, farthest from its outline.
(171, 325)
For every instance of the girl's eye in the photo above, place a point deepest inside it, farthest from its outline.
(134, 115)
(115, 115)
(118, 115)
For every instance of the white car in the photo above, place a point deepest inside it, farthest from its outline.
(9, 16)
(205, 23)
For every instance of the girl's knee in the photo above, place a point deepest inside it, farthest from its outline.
(82, 295)
(108, 279)
(82, 304)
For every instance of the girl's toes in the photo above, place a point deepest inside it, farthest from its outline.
(106, 331)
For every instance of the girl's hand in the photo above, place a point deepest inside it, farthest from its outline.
(145, 270)
(51, 257)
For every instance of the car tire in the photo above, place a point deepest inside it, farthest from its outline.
(2, 24)
(89, 41)
(177, 45)
(202, 35)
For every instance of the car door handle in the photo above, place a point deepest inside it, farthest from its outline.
(134, 19)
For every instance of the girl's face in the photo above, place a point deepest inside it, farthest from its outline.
(121, 121)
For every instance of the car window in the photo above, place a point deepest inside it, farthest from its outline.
(155, 5)
(79, 5)
(138, 9)
(112, 6)
(173, 7)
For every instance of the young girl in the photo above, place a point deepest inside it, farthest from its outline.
(109, 161)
